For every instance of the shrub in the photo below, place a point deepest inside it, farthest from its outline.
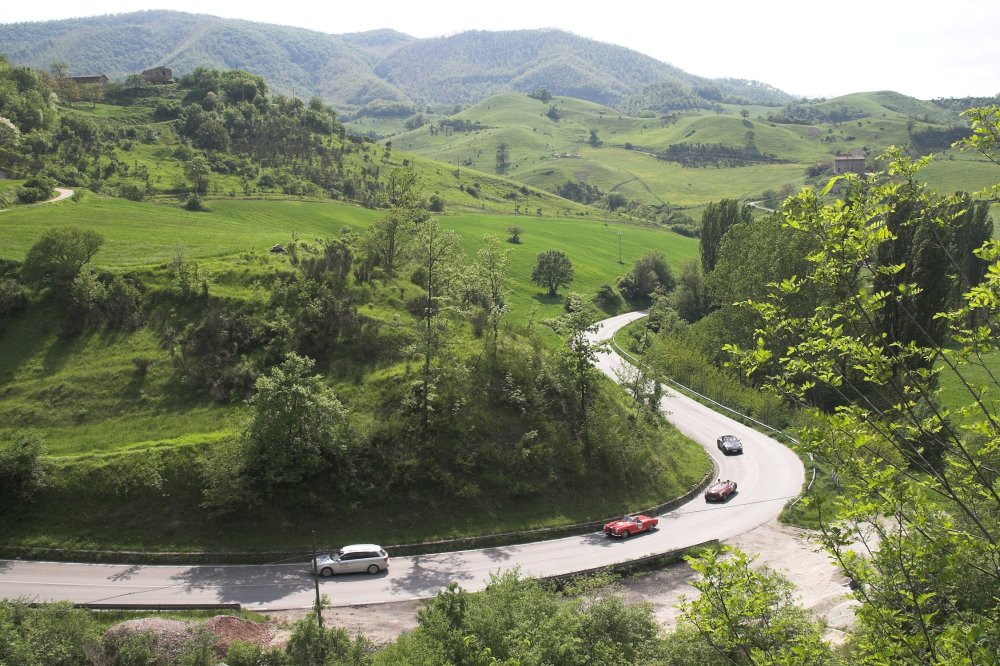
(142, 365)
(13, 297)
(608, 299)
(39, 188)
(194, 203)
(22, 471)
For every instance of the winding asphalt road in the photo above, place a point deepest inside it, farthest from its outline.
(768, 475)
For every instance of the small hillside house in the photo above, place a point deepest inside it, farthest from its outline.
(849, 164)
(158, 75)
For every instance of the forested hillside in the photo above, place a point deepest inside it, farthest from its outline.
(354, 70)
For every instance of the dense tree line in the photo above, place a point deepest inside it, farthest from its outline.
(813, 113)
(715, 154)
(933, 140)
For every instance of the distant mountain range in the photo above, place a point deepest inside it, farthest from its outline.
(352, 71)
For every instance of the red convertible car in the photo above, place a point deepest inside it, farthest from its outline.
(720, 491)
(628, 525)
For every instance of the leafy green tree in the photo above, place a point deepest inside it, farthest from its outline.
(650, 272)
(594, 141)
(503, 157)
(908, 266)
(744, 615)
(57, 257)
(297, 427)
(490, 274)
(580, 357)
(312, 644)
(400, 190)
(918, 484)
(22, 470)
(514, 233)
(10, 136)
(973, 226)
(715, 222)
(552, 270)
(388, 239)
(36, 189)
(437, 254)
(690, 298)
(199, 172)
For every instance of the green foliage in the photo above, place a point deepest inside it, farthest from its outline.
(311, 643)
(517, 621)
(744, 615)
(918, 490)
(715, 222)
(650, 273)
(25, 103)
(22, 471)
(59, 255)
(53, 634)
(693, 155)
(36, 189)
(690, 299)
(296, 426)
(582, 192)
(134, 649)
(552, 270)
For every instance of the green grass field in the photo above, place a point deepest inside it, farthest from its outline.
(546, 153)
(85, 389)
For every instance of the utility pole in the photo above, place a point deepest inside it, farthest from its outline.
(620, 247)
(319, 607)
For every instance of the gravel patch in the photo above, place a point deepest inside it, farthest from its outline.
(172, 636)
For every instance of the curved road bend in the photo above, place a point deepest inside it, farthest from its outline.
(768, 475)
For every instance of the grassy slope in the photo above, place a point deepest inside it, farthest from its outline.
(85, 390)
(546, 153)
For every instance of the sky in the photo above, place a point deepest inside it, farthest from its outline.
(807, 48)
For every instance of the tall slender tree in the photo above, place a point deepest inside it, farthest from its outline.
(436, 253)
(715, 222)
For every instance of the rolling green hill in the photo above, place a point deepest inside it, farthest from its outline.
(550, 144)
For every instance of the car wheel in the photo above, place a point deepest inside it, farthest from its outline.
(326, 572)
(626, 534)
(373, 569)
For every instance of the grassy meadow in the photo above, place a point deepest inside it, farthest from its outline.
(546, 152)
(86, 387)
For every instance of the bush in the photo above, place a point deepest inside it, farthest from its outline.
(13, 297)
(608, 299)
(194, 203)
(22, 471)
(134, 649)
(54, 634)
(39, 188)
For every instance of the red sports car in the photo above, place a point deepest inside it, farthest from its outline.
(720, 491)
(628, 525)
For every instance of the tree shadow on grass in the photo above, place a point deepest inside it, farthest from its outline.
(547, 299)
